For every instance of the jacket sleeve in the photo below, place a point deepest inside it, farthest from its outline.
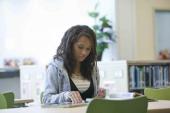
(96, 80)
(52, 83)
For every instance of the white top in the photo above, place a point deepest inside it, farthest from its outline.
(81, 83)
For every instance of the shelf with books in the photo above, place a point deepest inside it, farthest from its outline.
(148, 74)
(135, 75)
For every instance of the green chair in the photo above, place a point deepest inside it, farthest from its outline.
(157, 93)
(3, 103)
(135, 105)
(9, 96)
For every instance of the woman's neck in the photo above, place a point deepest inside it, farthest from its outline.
(77, 69)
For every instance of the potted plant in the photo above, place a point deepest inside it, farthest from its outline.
(104, 32)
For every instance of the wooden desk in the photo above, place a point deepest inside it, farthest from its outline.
(153, 107)
(159, 107)
(22, 102)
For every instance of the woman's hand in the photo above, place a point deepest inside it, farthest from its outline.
(101, 92)
(75, 97)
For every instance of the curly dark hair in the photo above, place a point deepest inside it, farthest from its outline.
(65, 50)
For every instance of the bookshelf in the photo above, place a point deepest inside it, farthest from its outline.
(135, 75)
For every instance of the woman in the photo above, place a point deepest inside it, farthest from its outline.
(72, 76)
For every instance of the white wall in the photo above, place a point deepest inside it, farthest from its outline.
(126, 27)
(136, 27)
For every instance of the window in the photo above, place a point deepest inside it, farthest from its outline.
(33, 28)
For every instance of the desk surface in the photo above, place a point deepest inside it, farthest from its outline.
(159, 107)
(153, 107)
(23, 101)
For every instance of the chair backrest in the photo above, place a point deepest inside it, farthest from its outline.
(157, 93)
(9, 96)
(41, 97)
(3, 103)
(134, 105)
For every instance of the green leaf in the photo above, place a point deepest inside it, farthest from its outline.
(96, 28)
(93, 14)
(106, 23)
(100, 47)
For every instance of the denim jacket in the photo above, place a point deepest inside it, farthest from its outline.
(57, 83)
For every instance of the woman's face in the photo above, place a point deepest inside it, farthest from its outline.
(82, 48)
